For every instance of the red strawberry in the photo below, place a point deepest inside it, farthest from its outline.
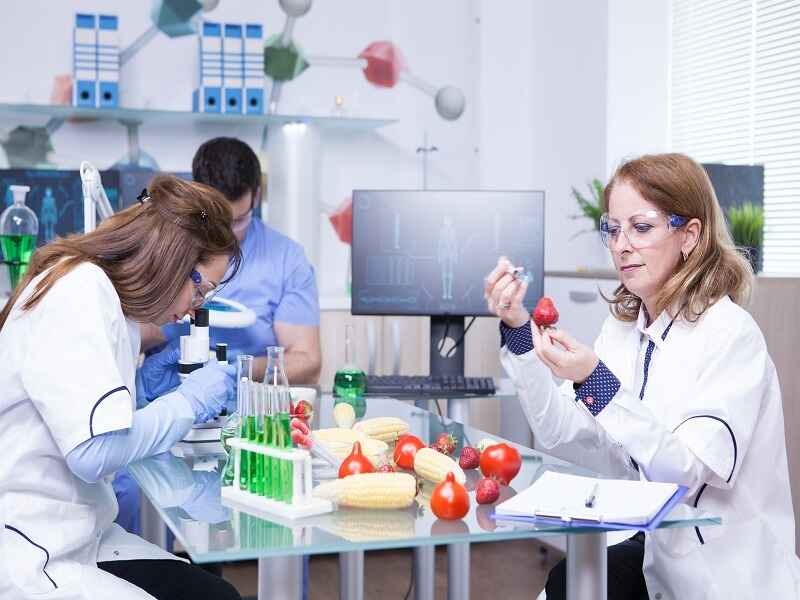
(302, 410)
(487, 491)
(386, 468)
(470, 458)
(545, 313)
(445, 444)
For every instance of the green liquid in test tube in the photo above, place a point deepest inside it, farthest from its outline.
(268, 437)
(244, 375)
(275, 377)
(259, 426)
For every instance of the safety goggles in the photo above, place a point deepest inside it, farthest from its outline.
(642, 230)
(204, 289)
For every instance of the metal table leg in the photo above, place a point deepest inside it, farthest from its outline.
(424, 572)
(458, 554)
(587, 577)
(458, 410)
(458, 572)
(280, 578)
(351, 575)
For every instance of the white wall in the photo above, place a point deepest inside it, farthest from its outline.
(543, 112)
(638, 79)
(437, 39)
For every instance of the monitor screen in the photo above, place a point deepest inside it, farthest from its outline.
(427, 252)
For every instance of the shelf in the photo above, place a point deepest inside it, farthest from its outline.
(21, 112)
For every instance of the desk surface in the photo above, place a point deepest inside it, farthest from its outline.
(185, 492)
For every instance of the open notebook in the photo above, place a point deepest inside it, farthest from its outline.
(617, 502)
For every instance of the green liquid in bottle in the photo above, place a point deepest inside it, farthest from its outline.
(349, 383)
(286, 465)
(252, 466)
(17, 251)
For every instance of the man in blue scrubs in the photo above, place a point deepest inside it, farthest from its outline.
(275, 278)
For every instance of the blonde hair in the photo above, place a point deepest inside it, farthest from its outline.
(147, 250)
(715, 268)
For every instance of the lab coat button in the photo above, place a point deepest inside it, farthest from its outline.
(658, 595)
(116, 552)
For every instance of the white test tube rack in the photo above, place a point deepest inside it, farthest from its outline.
(303, 504)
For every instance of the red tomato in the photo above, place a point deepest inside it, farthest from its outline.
(405, 450)
(449, 500)
(500, 462)
(355, 463)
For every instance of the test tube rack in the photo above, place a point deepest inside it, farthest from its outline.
(303, 503)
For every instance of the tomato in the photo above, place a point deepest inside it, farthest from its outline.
(500, 462)
(405, 450)
(355, 463)
(449, 500)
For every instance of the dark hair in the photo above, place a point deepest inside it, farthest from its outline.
(228, 165)
(714, 268)
(147, 250)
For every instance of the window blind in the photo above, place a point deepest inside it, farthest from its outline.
(735, 99)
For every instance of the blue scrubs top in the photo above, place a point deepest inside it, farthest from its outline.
(275, 280)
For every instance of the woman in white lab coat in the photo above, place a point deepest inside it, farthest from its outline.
(679, 388)
(69, 343)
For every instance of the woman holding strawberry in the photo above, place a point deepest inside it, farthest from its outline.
(679, 387)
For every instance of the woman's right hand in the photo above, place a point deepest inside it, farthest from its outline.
(209, 389)
(504, 294)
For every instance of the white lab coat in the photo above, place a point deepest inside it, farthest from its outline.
(67, 372)
(711, 419)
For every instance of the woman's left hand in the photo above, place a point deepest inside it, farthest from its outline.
(565, 356)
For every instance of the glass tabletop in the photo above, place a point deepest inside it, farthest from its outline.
(185, 491)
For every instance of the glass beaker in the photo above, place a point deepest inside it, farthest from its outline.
(349, 381)
(19, 227)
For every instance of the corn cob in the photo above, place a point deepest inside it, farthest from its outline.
(340, 443)
(370, 490)
(386, 429)
(360, 525)
(434, 466)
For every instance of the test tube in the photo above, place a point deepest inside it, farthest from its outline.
(269, 437)
(260, 458)
(286, 442)
(275, 441)
(244, 375)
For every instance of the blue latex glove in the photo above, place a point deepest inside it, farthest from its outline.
(157, 376)
(209, 390)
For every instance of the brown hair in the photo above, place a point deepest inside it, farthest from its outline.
(715, 268)
(147, 250)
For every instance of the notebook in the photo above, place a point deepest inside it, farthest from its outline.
(617, 503)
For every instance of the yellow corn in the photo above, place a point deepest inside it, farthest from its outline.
(386, 429)
(434, 466)
(370, 490)
(340, 442)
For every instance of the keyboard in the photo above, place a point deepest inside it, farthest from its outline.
(429, 385)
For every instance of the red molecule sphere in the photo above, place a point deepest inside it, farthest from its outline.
(384, 63)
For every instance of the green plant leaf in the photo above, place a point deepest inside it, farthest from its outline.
(746, 224)
(590, 208)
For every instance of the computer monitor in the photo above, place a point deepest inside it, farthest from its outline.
(427, 253)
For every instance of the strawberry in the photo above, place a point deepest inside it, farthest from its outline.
(445, 444)
(545, 313)
(386, 468)
(470, 458)
(487, 491)
(302, 410)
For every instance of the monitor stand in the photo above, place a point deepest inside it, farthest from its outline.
(457, 408)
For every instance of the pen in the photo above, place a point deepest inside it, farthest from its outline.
(590, 499)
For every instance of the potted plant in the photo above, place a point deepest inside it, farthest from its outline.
(746, 224)
(591, 208)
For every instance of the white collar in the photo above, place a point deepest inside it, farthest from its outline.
(656, 330)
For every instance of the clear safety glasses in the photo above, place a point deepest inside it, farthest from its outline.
(204, 289)
(642, 230)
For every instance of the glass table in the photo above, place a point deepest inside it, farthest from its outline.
(184, 489)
